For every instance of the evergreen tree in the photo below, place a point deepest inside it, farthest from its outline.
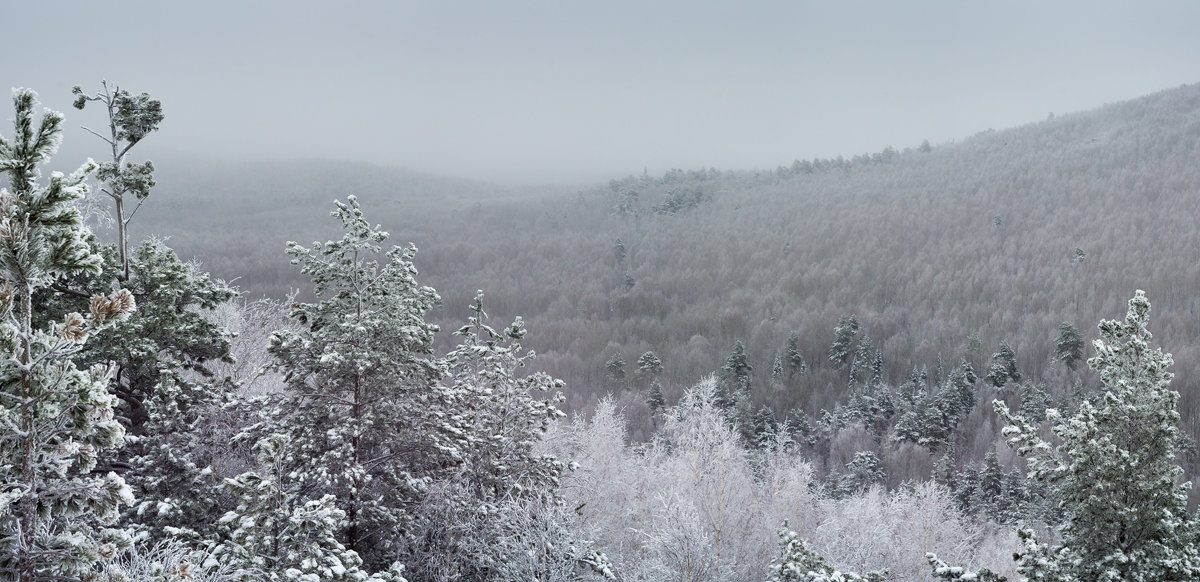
(1114, 471)
(1004, 366)
(733, 386)
(795, 360)
(363, 410)
(650, 365)
(861, 472)
(654, 398)
(615, 368)
(55, 419)
(844, 334)
(1069, 347)
(273, 535)
(130, 119)
(168, 344)
(506, 412)
(861, 361)
(797, 563)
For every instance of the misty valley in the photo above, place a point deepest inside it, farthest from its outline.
(971, 360)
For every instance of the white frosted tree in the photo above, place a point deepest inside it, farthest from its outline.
(366, 417)
(56, 514)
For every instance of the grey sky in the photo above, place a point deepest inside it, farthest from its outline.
(581, 91)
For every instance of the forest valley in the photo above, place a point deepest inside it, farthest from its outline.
(156, 426)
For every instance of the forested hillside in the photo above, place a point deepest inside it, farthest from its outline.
(838, 366)
(1002, 236)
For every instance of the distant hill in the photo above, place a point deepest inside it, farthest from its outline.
(926, 246)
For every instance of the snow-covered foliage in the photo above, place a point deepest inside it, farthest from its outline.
(797, 563)
(697, 504)
(1112, 469)
(274, 535)
(56, 512)
(365, 416)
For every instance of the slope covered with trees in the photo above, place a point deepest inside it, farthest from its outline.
(942, 250)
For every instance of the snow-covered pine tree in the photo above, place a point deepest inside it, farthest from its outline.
(1113, 470)
(55, 419)
(1069, 347)
(166, 346)
(500, 515)
(363, 410)
(1004, 366)
(649, 365)
(273, 535)
(507, 412)
(796, 363)
(842, 348)
(797, 563)
(130, 119)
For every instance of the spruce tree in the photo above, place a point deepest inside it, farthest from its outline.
(55, 419)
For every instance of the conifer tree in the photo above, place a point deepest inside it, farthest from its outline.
(55, 419)
(795, 360)
(649, 364)
(130, 119)
(166, 346)
(273, 535)
(507, 411)
(797, 563)
(1069, 347)
(655, 399)
(1113, 470)
(364, 412)
(1004, 366)
(844, 334)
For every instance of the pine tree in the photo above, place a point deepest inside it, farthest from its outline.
(130, 119)
(1004, 366)
(842, 348)
(168, 344)
(861, 472)
(615, 368)
(795, 360)
(506, 412)
(366, 416)
(736, 370)
(655, 399)
(1113, 470)
(797, 563)
(1069, 347)
(56, 419)
(273, 535)
(650, 365)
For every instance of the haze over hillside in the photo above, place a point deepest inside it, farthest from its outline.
(925, 246)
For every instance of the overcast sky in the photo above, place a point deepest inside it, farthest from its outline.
(563, 91)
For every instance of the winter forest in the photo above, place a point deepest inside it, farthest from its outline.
(934, 363)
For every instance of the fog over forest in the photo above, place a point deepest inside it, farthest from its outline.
(654, 292)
